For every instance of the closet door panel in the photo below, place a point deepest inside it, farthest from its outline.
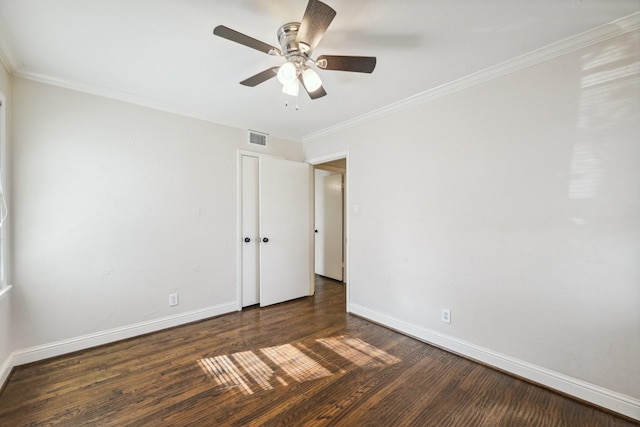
(285, 230)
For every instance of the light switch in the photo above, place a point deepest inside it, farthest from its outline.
(356, 209)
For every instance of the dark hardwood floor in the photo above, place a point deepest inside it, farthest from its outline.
(304, 362)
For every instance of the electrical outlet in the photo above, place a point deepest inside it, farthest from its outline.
(445, 315)
(173, 300)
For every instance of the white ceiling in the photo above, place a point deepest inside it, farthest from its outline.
(162, 53)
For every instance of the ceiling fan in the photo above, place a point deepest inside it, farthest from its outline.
(297, 42)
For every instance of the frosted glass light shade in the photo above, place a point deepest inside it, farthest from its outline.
(287, 73)
(311, 80)
(291, 88)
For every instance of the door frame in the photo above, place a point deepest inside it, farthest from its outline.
(328, 158)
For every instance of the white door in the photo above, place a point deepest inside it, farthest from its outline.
(329, 225)
(285, 230)
(250, 234)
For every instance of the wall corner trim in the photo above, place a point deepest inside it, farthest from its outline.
(598, 34)
(5, 370)
(7, 55)
(582, 390)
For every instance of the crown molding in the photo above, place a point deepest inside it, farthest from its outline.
(116, 95)
(596, 35)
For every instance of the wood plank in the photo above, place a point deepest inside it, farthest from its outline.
(304, 362)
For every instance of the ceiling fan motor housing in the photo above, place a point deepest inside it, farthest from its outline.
(287, 37)
(292, 50)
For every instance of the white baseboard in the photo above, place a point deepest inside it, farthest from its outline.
(41, 352)
(599, 396)
(588, 392)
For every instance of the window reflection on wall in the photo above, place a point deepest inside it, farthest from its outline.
(609, 88)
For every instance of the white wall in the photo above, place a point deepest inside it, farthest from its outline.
(6, 324)
(516, 204)
(115, 207)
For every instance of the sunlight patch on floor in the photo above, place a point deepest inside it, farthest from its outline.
(247, 369)
(359, 352)
(259, 371)
(225, 372)
(295, 363)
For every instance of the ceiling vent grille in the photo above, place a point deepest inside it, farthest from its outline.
(257, 138)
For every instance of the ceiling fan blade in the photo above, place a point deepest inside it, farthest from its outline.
(314, 23)
(235, 36)
(260, 77)
(358, 64)
(318, 93)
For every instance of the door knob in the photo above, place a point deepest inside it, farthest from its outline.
(265, 239)
(247, 240)
(316, 231)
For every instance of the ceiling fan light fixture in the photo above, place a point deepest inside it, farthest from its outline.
(311, 80)
(297, 41)
(287, 73)
(291, 88)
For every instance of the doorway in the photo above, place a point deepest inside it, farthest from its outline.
(329, 219)
(339, 163)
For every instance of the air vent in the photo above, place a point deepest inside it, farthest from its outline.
(257, 138)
